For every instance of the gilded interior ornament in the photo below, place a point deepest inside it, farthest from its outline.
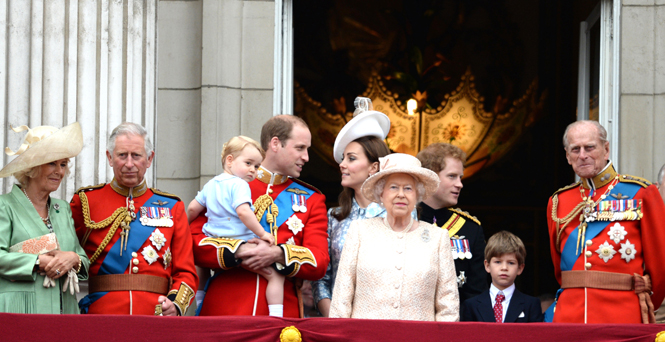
(460, 119)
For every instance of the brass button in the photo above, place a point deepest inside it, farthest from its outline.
(134, 255)
(135, 261)
(135, 269)
(587, 265)
(589, 242)
(588, 254)
(396, 305)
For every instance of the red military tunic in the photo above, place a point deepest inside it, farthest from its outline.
(623, 246)
(172, 261)
(236, 291)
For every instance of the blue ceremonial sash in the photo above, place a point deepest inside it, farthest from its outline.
(114, 263)
(283, 202)
(569, 253)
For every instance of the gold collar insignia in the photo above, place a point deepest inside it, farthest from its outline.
(124, 191)
(602, 179)
(265, 176)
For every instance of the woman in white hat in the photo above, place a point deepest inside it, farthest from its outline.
(396, 267)
(357, 149)
(41, 260)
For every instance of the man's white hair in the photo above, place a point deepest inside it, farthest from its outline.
(129, 128)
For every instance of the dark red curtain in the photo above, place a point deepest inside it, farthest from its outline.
(19, 327)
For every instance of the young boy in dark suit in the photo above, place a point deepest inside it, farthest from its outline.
(503, 303)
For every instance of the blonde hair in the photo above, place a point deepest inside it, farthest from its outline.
(235, 146)
(433, 157)
(505, 242)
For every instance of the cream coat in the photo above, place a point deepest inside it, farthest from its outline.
(388, 275)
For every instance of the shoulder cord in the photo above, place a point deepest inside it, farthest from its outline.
(566, 220)
(260, 206)
(121, 215)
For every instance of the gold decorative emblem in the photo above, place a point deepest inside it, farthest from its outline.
(299, 255)
(290, 334)
(167, 257)
(660, 337)
(606, 251)
(160, 203)
(627, 251)
(297, 191)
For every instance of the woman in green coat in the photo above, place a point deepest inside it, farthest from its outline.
(36, 275)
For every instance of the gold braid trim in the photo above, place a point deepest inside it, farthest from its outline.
(566, 220)
(260, 206)
(119, 216)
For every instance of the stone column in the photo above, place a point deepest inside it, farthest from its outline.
(91, 61)
(215, 82)
(642, 116)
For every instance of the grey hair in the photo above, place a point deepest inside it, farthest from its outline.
(129, 128)
(661, 174)
(381, 183)
(24, 177)
(602, 133)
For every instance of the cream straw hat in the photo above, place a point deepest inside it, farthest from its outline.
(366, 122)
(401, 163)
(42, 145)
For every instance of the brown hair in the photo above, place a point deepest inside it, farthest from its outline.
(374, 149)
(505, 242)
(281, 127)
(433, 157)
(235, 146)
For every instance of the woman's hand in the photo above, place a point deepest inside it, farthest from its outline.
(61, 263)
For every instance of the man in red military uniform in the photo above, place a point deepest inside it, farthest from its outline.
(606, 237)
(137, 238)
(294, 212)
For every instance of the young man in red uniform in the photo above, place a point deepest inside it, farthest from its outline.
(294, 212)
(137, 238)
(606, 237)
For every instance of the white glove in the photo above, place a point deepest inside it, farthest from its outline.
(48, 282)
(73, 282)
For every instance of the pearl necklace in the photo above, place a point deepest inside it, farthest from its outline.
(48, 214)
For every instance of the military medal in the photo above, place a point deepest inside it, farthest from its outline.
(158, 239)
(460, 250)
(149, 254)
(617, 233)
(627, 251)
(167, 257)
(144, 216)
(294, 201)
(453, 248)
(295, 224)
(606, 251)
(461, 279)
(467, 249)
(298, 203)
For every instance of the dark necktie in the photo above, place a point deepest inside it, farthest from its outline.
(498, 307)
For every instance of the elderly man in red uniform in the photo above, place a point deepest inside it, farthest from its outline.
(294, 212)
(137, 238)
(606, 237)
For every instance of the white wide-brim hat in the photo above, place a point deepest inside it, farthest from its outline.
(366, 122)
(401, 163)
(43, 145)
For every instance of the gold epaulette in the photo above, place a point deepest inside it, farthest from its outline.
(165, 194)
(465, 214)
(570, 186)
(307, 185)
(634, 179)
(91, 187)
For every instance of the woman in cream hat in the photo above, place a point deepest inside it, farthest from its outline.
(396, 267)
(357, 149)
(41, 260)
